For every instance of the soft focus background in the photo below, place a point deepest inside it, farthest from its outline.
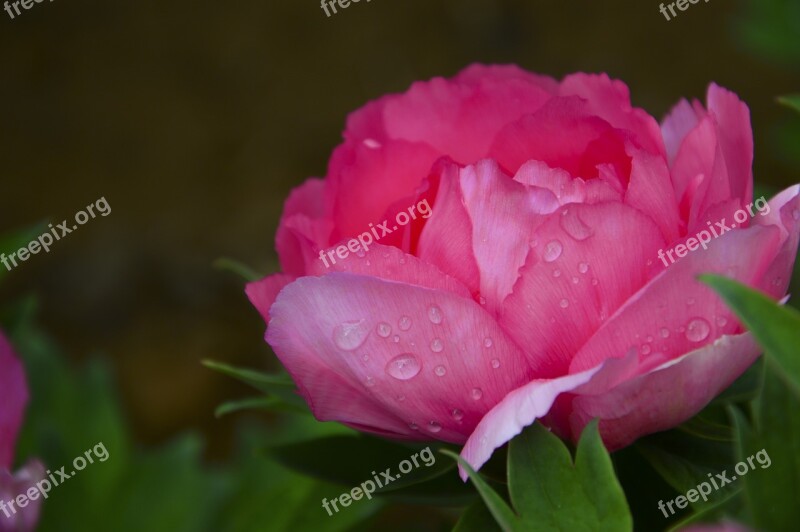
(195, 119)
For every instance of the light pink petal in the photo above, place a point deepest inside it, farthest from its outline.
(303, 226)
(421, 358)
(666, 396)
(477, 74)
(566, 188)
(610, 100)
(14, 398)
(575, 277)
(650, 190)
(784, 213)
(516, 411)
(675, 313)
(20, 519)
(504, 215)
(461, 117)
(262, 293)
(681, 120)
(695, 157)
(446, 240)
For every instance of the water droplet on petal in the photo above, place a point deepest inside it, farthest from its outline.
(436, 345)
(722, 321)
(350, 335)
(697, 330)
(564, 303)
(583, 267)
(572, 224)
(434, 427)
(440, 371)
(575, 280)
(370, 382)
(488, 342)
(664, 332)
(645, 350)
(556, 273)
(495, 363)
(457, 414)
(372, 144)
(365, 358)
(403, 367)
(476, 394)
(383, 329)
(401, 398)
(404, 323)
(435, 314)
(595, 282)
(413, 426)
(552, 251)
(649, 339)
(396, 339)
(482, 300)
(691, 301)
(796, 214)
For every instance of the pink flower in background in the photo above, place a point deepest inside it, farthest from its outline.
(534, 289)
(13, 397)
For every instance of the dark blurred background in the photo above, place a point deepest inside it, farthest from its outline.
(195, 119)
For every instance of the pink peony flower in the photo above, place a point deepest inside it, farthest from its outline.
(534, 289)
(12, 405)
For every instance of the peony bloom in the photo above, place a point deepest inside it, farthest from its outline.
(13, 399)
(535, 287)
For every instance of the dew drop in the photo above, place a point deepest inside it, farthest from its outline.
(457, 414)
(488, 342)
(583, 267)
(646, 349)
(350, 335)
(435, 314)
(649, 339)
(572, 224)
(372, 144)
(401, 398)
(697, 330)
(404, 367)
(574, 280)
(436, 345)
(434, 427)
(476, 394)
(796, 214)
(664, 332)
(413, 426)
(482, 300)
(556, 273)
(404, 323)
(564, 303)
(495, 363)
(691, 301)
(365, 358)
(440, 371)
(370, 382)
(595, 282)
(552, 251)
(396, 339)
(722, 321)
(383, 329)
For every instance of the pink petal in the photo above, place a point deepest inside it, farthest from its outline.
(461, 117)
(262, 293)
(15, 397)
(416, 356)
(567, 189)
(303, 226)
(784, 213)
(681, 120)
(571, 282)
(736, 139)
(650, 190)
(20, 519)
(610, 100)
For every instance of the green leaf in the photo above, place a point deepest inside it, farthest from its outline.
(477, 518)
(254, 403)
(776, 328)
(772, 486)
(792, 101)
(551, 492)
(350, 460)
(502, 513)
(238, 268)
(278, 385)
(9, 243)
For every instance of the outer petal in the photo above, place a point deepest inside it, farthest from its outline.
(650, 190)
(303, 226)
(14, 399)
(393, 357)
(736, 139)
(262, 293)
(681, 120)
(675, 313)
(784, 213)
(665, 397)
